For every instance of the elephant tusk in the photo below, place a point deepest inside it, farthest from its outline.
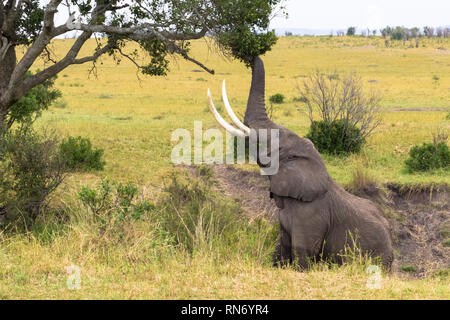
(221, 121)
(230, 112)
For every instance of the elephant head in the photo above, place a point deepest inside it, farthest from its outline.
(302, 175)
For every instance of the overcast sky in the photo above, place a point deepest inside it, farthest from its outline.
(373, 14)
(340, 14)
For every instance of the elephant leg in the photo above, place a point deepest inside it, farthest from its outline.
(283, 252)
(303, 258)
(307, 247)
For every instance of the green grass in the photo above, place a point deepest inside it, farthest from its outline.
(408, 268)
(133, 124)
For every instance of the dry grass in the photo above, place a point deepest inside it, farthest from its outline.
(42, 275)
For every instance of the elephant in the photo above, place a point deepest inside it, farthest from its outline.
(318, 219)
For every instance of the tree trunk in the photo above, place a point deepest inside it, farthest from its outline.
(7, 66)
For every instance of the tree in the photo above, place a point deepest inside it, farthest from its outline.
(386, 32)
(398, 33)
(415, 32)
(30, 106)
(160, 27)
(428, 32)
(351, 31)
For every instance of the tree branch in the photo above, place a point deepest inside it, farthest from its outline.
(38, 46)
(4, 47)
(69, 59)
(146, 31)
(184, 54)
(2, 14)
(95, 56)
(129, 58)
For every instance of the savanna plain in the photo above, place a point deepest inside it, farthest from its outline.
(198, 243)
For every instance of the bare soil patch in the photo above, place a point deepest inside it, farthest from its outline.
(247, 187)
(416, 217)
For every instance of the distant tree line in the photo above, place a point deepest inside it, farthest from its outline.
(402, 33)
(393, 33)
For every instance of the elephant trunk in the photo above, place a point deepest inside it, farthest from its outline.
(256, 108)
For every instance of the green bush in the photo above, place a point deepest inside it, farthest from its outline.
(31, 168)
(300, 99)
(408, 268)
(80, 155)
(428, 156)
(277, 98)
(342, 113)
(113, 201)
(335, 137)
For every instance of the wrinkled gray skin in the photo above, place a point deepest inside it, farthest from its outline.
(318, 218)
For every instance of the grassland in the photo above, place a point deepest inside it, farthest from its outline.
(132, 120)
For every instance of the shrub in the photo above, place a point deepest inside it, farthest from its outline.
(348, 114)
(336, 137)
(113, 201)
(80, 155)
(277, 98)
(408, 268)
(194, 218)
(31, 169)
(442, 273)
(428, 156)
(300, 99)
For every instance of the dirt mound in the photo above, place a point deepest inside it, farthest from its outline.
(416, 218)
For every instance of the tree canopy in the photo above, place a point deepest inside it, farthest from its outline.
(160, 27)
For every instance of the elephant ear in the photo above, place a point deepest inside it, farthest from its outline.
(303, 176)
